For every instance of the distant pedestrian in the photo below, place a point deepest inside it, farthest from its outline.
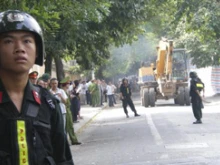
(69, 121)
(60, 94)
(94, 91)
(74, 96)
(113, 93)
(196, 86)
(110, 94)
(100, 92)
(104, 86)
(83, 93)
(125, 95)
(88, 95)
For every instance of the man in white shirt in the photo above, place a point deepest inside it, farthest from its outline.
(60, 94)
(110, 94)
(88, 95)
(83, 92)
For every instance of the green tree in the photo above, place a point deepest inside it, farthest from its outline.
(199, 30)
(85, 29)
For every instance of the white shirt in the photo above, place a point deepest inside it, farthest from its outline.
(83, 88)
(109, 90)
(63, 94)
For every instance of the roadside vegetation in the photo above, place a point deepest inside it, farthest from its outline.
(113, 37)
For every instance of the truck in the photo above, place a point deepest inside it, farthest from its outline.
(167, 77)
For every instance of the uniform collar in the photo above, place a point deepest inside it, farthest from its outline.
(30, 93)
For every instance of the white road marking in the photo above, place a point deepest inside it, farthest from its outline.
(186, 146)
(154, 131)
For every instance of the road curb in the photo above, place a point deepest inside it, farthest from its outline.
(90, 120)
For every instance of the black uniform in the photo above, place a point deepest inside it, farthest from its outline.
(35, 136)
(196, 85)
(126, 93)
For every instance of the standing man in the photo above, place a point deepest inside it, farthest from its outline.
(125, 95)
(65, 83)
(100, 91)
(104, 96)
(46, 78)
(110, 94)
(88, 95)
(196, 86)
(33, 77)
(60, 94)
(83, 93)
(113, 93)
(94, 91)
(31, 125)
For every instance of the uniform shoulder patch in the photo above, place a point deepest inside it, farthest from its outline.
(49, 98)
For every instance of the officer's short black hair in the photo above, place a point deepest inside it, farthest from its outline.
(193, 75)
(53, 79)
(123, 80)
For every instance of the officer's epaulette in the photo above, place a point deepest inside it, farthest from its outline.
(50, 99)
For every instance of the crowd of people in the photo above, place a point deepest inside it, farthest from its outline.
(98, 92)
(93, 92)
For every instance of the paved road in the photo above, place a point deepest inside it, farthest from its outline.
(163, 135)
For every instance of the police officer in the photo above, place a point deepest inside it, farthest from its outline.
(196, 86)
(31, 125)
(125, 95)
(65, 83)
(33, 77)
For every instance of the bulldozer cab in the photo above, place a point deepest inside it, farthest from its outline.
(180, 65)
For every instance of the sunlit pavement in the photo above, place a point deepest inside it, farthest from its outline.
(162, 135)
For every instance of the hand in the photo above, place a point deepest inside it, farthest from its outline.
(59, 94)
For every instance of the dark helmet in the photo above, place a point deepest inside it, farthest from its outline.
(193, 75)
(14, 20)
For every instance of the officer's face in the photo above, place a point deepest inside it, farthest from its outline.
(125, 82)
(33, 80)
(17, 51)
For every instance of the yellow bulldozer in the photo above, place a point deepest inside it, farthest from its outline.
(167, 78)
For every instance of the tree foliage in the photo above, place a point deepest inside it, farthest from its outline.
(200, 31)
(84, 31)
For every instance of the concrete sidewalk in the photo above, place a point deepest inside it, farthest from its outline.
(88, 113)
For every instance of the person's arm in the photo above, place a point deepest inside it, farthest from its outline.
(63, 96)
(197, 91)
(203, 91)
(194, 88)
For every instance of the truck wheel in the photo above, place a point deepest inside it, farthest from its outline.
(186, 96)
(152, 97)
(146, 97)
(181, 95)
